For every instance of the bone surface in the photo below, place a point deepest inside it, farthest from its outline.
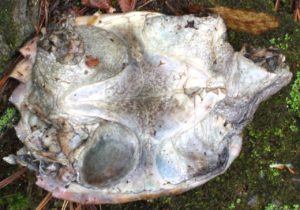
(133, 106)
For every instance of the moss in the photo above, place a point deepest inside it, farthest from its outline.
(294, 99)
(4, 59)
(9, 29)
(273, 206)
(6, 120)
(9, 32)
(15, 201)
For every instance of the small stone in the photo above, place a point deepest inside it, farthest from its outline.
(10, 159)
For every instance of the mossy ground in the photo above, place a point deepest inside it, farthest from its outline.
(9, 32)
(272, 137)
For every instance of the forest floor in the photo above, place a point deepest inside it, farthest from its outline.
(272, 137)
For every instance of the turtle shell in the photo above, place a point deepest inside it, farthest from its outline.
(133, 106)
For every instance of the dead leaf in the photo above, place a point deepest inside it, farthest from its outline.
(91, 62)
(100, 4)
(246, 21)
(127, 5)
(281, 166)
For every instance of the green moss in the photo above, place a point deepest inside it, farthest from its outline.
(273, 206)
(3, 64)
(8, 27)
(9, 32)
(6, 119)
(15, 201)
(281, 42)
(294, 100)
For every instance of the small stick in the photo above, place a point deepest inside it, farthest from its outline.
(277, 5)
(297, 14)
(172, 8)
(92, 207)
(296, 180)
(44, 202)
(71, 206)
(12, 178)
(145, 4)
(78, 207)
(65, 204)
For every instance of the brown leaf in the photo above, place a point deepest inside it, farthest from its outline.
(101, 4)
(91, 62)
(127, 5)
(246, 21)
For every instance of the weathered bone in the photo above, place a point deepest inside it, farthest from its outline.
(22, 70)
(160, 112)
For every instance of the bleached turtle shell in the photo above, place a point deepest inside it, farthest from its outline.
(133, 106)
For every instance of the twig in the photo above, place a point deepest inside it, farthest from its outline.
(92, 207)
(297, 14)
(71, 206)
(44, 202)
(43, 15)
(172, 8)
(277, 5)
(12, 178)
(53, 6)
(296, 180)
(145, 4)
(78, 207)
(65, 204)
